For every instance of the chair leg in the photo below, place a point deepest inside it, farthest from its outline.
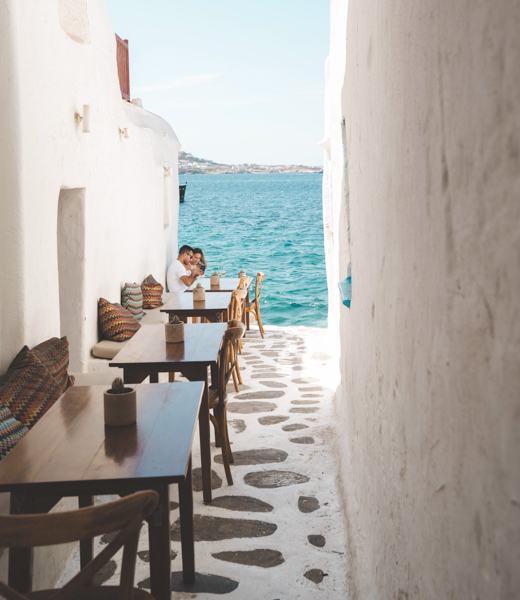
(259, 319)
(215, 419)
(230, 453)
(235, 382)
(237, 369)
(226, 450)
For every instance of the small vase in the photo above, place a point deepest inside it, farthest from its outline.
(199, 294)
(214, 280)
(120, 409)
(174, 332)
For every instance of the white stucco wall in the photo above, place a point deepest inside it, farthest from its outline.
(429, 407)
(47, 74)
(55, 57)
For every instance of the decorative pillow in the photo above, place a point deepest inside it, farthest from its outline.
(54, 354)
(115, 322)
(28, 389)
(152, 292)
(11, 431)
(132, 300)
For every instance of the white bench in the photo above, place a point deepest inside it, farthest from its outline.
(107, 349)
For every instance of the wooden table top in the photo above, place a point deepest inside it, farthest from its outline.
(148, 346)
(227, 284)
(70, 447)
(215, 302)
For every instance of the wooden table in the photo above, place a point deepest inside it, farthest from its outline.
(227, 284)
(148, 354)
(213, 308)
(70, 452)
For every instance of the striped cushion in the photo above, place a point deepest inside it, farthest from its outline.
(28, 389)
(54, 354)
(11, 431)
(115, 322)
(132, 300)
(152, 292)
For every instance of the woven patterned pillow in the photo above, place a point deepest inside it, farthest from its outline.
(115, 322)
(54, 354)
(28, 389)
(11, 431)
(132, 300)
(152, 292)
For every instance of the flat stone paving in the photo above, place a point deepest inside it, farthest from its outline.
(277, 533)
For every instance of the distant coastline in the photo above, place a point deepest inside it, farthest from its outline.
(189, 164)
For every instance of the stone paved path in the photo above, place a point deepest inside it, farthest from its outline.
(277, 532)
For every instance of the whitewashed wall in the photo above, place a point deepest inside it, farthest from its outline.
(55, 57)
(429, 406)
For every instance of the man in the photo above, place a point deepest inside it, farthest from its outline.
(177, 277)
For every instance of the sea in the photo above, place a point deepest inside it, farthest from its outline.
(271, 223)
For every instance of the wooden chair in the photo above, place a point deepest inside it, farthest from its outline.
(235, 314)
(244, 282)
(218, 393)
(124, 515)
(254, 306)
(243, 285)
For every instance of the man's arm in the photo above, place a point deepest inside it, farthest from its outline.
(189, 279)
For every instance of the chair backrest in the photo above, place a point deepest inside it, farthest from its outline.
(124, 515)
(232, 334)
(243, 283)
(258, 285)
(235, 306)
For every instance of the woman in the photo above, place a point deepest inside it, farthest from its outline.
(198, 259)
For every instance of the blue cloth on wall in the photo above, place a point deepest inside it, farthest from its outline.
(345, 288)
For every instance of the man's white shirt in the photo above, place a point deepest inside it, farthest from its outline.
(173, 277)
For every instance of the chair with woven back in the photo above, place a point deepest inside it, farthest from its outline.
(218, 391)
(253, 307)
(123, 516)
(235, 313)
(243, 288)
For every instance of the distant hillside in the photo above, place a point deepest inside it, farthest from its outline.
(191, 164)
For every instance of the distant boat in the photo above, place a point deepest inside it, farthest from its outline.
(182, 190)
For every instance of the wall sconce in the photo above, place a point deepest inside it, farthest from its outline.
(84, 119)
(167, 171)
(124, 132)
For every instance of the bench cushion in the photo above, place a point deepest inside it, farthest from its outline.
(28, 389)
(132, 299)
(11, 431)
(152, 292)
(54, 354)
(115, 322)
(107, 349)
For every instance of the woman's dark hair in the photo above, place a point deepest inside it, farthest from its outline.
(202, 259)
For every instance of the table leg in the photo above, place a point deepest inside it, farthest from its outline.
(187, 534)
(205, 449)
(86, 547)
(130, 375)
(159, 537)
(200, 373)
(20, 559)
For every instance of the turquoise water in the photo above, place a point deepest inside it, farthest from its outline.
(270, 223)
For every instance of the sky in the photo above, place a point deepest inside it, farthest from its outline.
(239, 81)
